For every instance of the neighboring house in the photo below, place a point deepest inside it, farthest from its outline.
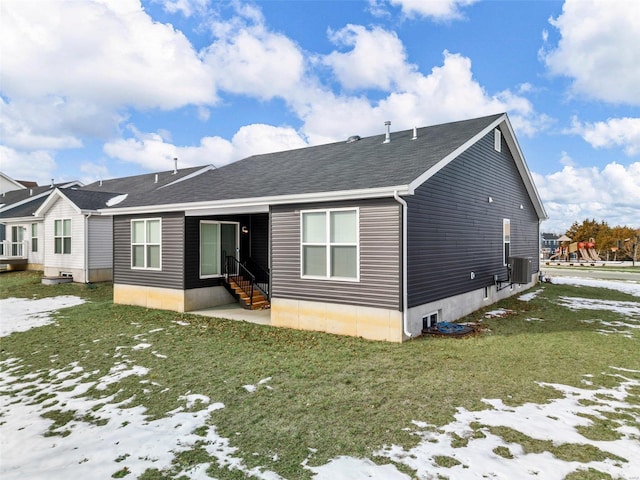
(79, 240)
(23, 231)
(549, 244)
(375, 237)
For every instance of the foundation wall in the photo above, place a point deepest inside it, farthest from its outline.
(352, 320)
(171, 299)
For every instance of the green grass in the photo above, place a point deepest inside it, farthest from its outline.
(339, 395)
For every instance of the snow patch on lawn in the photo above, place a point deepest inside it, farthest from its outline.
(527, 297)
(22, 314)
(103, 437)
(557, 421)
(632, 288)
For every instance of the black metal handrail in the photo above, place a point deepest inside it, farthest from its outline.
(241, 276)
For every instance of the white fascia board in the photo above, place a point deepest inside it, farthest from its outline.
(525, 173)
(187, 177)
(260, 203)
(49, 202)
(8, 221)
(458, 151)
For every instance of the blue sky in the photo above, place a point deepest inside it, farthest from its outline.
(94, 89)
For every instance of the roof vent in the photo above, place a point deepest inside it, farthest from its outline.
(387, 137)
(156, 180)
(31, 192)
(100, 182)
(175, 165)
(52, 184)
(353, 138)
(415, 134)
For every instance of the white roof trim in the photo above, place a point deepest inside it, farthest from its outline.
(458, 151)
(259, 203)
(11, 206)
(521, 165)
(191, 175)
(49, 202)
(11, 180)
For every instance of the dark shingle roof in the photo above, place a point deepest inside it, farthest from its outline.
(365, 164)
(87, 199)
(26, 209)
(142, 183)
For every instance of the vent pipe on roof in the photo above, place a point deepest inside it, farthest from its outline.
(156, 180)
(52, 184)
(387, 137)
(415, 134)
(175, 165)
(100, 182)
(31, 192)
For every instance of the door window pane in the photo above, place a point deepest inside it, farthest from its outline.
(209, 249)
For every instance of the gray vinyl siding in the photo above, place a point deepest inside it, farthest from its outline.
(454, 230)
(171, 275)
(379, 285)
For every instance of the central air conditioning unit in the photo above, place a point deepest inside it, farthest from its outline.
(520, 269)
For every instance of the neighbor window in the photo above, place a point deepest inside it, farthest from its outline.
(146, 243)
(62, 236)
(34, 237)
(506, 234)
(330, 244)
(497, 140)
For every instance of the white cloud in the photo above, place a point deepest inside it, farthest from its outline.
(449, 92)
(598, 49)
(33, 166)
(152, 151)
(114, 55)
(615, 132)
(185, 7)
(355, 68)
(611, 194)
(441, 10)
(248, 59)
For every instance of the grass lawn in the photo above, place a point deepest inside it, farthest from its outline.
(292, 398)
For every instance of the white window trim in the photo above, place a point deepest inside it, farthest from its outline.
(497, 140)
(145, 244)
(221, 274)
(505, 259)
(34, 225)
(62, 237)
(328, 244)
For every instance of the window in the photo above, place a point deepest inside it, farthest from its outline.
(497, 140)
(330, 244)
(506, 234)
(430, 320)
(34, 237)
(146, 243)
(217, 241)
(62, 236)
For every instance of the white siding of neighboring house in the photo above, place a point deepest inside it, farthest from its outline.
(38, 256)
(57, 263)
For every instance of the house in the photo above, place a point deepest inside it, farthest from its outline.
(550, 244)
(78, 240)
(21, 231)
(375, 237)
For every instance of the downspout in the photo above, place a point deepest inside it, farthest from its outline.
(86, 248)
(405, 296)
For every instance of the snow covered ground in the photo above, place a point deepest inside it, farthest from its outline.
(106, 437)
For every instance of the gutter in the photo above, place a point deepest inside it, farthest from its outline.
(405, 296)
(86, 248)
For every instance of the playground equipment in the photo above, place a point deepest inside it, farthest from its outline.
(584, 251)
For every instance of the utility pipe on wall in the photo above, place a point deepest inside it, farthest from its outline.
(405, 299)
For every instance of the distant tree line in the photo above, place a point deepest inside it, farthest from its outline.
(619, 242)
